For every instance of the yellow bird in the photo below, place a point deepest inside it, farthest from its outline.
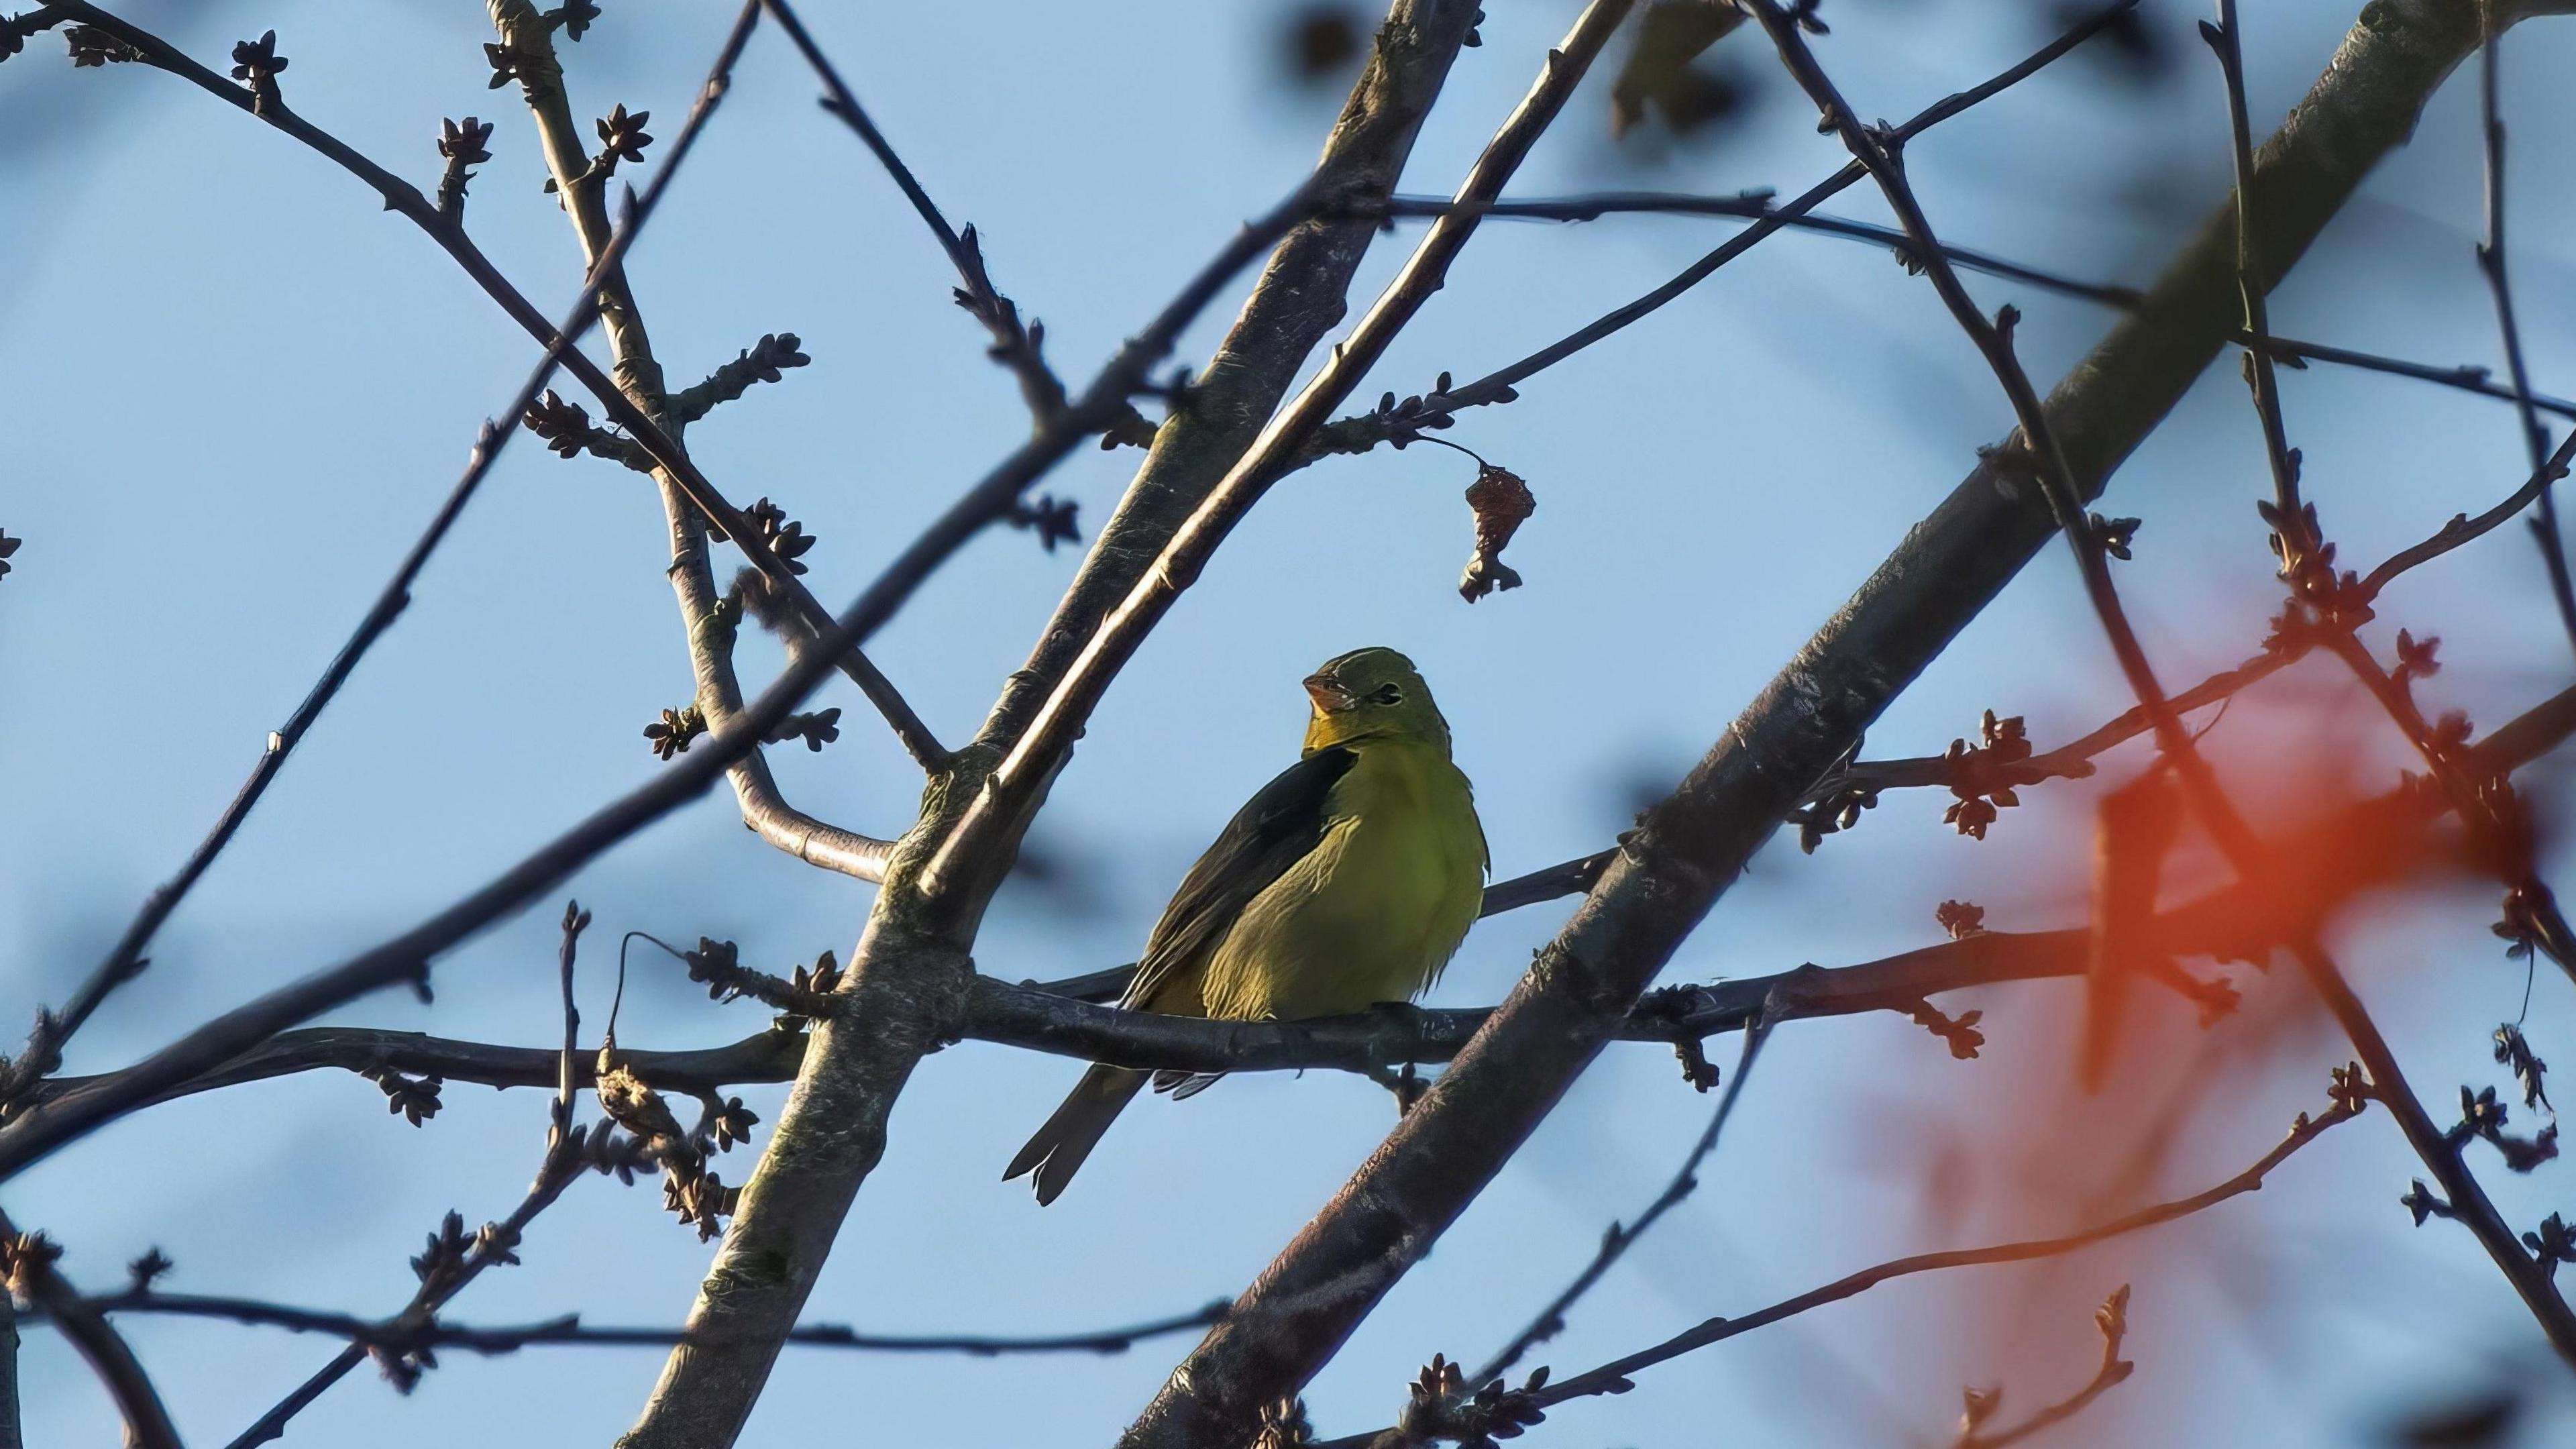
(1347, 881)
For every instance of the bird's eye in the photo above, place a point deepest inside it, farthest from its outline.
(1387, 694)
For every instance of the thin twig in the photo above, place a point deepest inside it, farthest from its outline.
(442, 1278)
(1353, 433)
(2113, 1319)
(401, 1335)
(575, 921)
(2491, 261)
(1616, 1376)
(2260, 373)
(2070, 761)
(1016, 345)
(31, 1275)
(1616, 1242)
(2463, 528)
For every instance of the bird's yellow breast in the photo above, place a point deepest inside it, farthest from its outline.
(1375, 911)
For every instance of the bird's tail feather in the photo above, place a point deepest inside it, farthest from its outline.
(1068, 1137)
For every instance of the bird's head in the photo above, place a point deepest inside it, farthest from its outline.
(1371, 694)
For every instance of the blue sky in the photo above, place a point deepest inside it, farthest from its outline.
(238, 389)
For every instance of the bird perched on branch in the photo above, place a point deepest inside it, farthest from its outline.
(1347, 881)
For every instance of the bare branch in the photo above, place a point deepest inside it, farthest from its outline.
(1830, 803)
(688, 503)
(1617, 1376)
(1016, 345)
(27, 1259)
(406, 1336)
(2113, 1319)
(2491, 261)
(1364, 431)
(1616, 1242)
(452, 1261)
(2463, 528)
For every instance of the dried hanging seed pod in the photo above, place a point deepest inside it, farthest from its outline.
(1501, 502)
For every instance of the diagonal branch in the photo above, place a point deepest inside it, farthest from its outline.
(1016, 345)
(1363, 431)
(2491, 261)
(1615, 1376)
(1808, 719)
(1621, 1237)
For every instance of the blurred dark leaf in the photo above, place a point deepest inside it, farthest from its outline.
(2481, 1422)
(1319, 43)
(2130, 47)
(1661, 74)
(1070, 877)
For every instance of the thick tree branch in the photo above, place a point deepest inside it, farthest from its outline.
(1804, 722)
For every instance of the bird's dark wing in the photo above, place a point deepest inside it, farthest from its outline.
(1274, 830)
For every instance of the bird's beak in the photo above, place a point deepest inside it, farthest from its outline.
(1328, 693)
